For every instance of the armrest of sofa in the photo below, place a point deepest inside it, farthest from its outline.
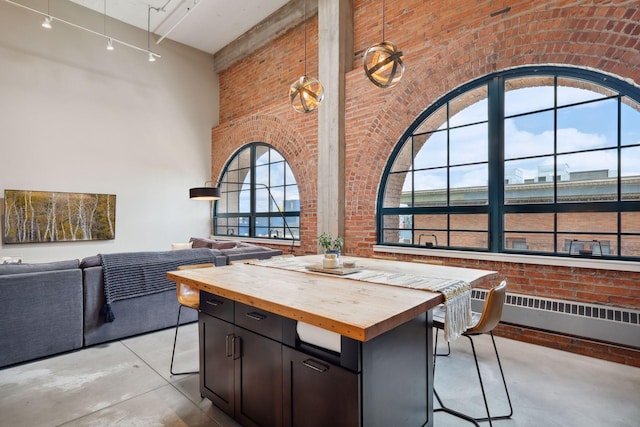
(40, 314)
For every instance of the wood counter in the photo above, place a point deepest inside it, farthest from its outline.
(354, 309)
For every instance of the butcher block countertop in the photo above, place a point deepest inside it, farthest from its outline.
(355, 309)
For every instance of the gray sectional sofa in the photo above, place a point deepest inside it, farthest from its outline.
(55, 307)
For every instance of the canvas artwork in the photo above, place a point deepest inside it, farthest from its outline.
(42, 216)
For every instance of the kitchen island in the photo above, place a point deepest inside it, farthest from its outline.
(373, 368)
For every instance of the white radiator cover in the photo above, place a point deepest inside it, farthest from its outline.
(591, 321)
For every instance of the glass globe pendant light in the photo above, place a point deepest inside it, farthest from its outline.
(382, 62)
(306, 93)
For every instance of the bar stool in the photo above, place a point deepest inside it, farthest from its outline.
(483, 323)
(187, 297)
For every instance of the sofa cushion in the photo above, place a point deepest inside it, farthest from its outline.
(36, 268)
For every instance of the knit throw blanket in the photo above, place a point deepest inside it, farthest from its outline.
(134, 274)
(457, 293)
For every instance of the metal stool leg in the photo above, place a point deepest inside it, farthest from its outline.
(504, 382)
(443, 408)
(175, 338)
(465, 417)
(435, 347)
(484, 395)
(453, 411)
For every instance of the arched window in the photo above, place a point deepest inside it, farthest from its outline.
(260, 196)
(542, 160)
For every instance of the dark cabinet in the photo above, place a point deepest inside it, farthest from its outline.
(258, 380)
(216, 364)
(253, 367)
(241, 371)
(318, 393)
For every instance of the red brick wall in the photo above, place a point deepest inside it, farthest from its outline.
(445, 44)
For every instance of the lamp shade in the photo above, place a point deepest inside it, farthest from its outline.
(306, 94)
(204, 193)
(383, 64)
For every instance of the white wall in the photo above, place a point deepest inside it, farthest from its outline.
(75, 117)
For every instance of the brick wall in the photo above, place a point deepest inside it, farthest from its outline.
(445, 44)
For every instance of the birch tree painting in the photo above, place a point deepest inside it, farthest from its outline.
(40, 216)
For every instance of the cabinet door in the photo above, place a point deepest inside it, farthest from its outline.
(216, 361)
(258, 380)
(318, 394)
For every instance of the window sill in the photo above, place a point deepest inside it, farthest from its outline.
(515, 258)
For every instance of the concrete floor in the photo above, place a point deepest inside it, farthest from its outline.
(127, 383)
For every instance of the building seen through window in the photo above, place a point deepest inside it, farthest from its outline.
(541, 161)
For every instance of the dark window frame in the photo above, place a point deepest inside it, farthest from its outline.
(496, 208)
(252, 217)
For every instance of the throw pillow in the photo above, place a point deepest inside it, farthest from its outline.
(179, 246)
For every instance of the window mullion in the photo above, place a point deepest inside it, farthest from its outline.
(556, 244)
(495, 94)
(252, 191)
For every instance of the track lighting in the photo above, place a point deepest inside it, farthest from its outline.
(46, 23)
(48, 18)
(104, 27)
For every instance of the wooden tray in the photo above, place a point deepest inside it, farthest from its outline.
(340, 271)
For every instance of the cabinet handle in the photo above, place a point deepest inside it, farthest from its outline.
(316, 366)
(228, 347)
(214, 302)
(256, 316)
(235, 342)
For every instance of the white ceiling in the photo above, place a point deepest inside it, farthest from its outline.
(209, 25)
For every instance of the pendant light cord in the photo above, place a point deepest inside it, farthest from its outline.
(305, 38)
(383, 20)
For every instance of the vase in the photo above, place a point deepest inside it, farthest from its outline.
(330, 261)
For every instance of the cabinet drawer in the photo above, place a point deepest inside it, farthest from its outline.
(217, 306)
(259, 321)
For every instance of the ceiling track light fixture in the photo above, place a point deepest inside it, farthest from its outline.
(306, 93)
(47, 19)
(382, 62)
(47, 23)
(152, 56)
(104, 27)
(50, 18)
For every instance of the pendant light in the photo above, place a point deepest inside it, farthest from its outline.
(382, 62)
(305, 94)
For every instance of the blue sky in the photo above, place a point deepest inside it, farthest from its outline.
(581, 127)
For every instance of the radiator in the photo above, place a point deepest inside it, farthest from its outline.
(591, 321)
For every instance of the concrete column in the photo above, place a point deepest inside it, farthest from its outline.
(335, 51)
